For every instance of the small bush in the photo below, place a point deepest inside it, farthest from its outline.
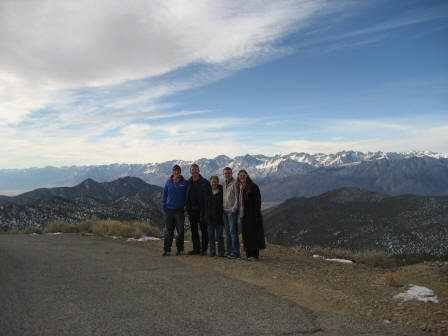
(393, 279)
(332, 253)
(60, 226)
(375, 258)
(32, 229)
(187, 235)
(99, 228)
(84, 226)
(125, 229)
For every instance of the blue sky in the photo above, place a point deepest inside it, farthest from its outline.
(150, 81)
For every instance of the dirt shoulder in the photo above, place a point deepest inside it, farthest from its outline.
(331, 287)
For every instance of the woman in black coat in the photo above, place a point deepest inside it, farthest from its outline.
(213, 213)
(250, 214)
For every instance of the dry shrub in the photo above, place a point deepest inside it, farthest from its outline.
(130, 229)
(60, 226)
(32, 229)
(99, 228)
(393, 279)
(85, 226)
(114, 228)
(375, 258)
(328, 252)
(187, 235)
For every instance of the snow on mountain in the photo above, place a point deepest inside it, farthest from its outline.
(258, 166)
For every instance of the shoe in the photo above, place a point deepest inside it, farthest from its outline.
(222, 255)
(179, 253)
(193, 252)
(244, 258)
(231, 256)
(166, 254)
(252, 259)
(204, 253)
(212, 255)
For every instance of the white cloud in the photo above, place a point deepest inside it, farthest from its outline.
(130, 142)
(433, 139)
(47, 45)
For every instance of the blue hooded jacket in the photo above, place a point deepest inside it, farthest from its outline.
(173, 196)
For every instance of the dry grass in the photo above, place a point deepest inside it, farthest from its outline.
(32, 229)
(375, 258)
(99, 227)
(393, 279)
(131, 229)
(60, 226)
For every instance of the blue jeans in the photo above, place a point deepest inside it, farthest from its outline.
(231, 226)
(212, 228)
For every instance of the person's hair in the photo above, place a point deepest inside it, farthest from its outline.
(214, 177)
(249, 182)
(194, 165)
(227, 168)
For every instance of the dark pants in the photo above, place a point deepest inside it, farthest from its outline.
(253, 253)
(174, 219)
(195, 223)
(212, 228)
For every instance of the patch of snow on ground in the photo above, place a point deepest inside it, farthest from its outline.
(316, 256)
(142, 239)
(115, 237)
(419, 293)
(34, 234)
(54, 233)
(345, 261)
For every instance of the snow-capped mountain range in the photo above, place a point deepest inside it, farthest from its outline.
(260, 167)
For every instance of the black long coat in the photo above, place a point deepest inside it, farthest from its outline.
(213, 207)
(252, 222)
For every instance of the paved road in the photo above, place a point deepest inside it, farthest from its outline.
(73, 285)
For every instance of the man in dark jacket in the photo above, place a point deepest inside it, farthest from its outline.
(196, 187)
(173, 203)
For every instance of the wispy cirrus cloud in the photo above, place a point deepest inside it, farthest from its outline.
(48, 47)
(433, 138)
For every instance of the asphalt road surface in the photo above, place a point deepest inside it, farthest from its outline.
(74, 285)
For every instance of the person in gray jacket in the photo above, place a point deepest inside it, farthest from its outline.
(230, 189)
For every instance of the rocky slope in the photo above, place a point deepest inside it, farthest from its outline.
(357, 219)
(124, 199)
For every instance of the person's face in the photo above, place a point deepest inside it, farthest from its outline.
(194, 171)
(176, 172)
(214, 183)
(228, 175)
(242, 177)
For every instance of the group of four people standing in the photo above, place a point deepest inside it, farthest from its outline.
(213, 208)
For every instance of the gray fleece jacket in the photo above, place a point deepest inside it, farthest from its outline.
(230, 195)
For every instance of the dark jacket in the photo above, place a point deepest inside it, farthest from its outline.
(252, 222)
(213, 208)
(173, 196)
(202, 184)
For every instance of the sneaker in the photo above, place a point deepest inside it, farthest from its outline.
(244, 258)
(193, 252)
(231, 256)
(179, 253)
(166, 254)
(252, 259)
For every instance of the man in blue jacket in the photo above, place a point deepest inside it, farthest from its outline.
(195, 198)
(173, 203)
